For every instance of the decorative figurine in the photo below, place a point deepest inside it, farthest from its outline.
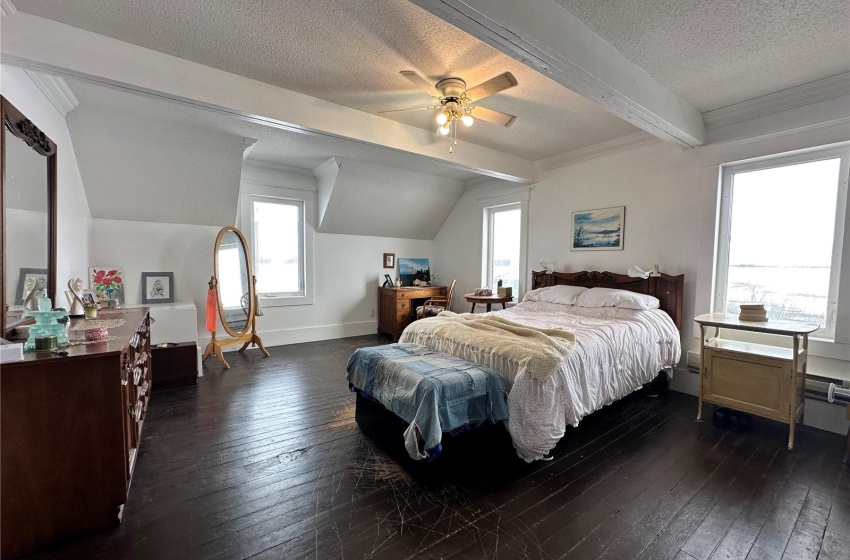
(75, 297)
(46, 324)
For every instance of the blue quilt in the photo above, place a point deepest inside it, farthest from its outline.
(433, 391)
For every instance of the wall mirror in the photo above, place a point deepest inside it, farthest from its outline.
(28, 201)
(234, 285)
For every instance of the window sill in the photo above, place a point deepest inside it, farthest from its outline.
(266, 301)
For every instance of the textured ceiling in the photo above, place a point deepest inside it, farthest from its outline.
(714, 54)
(351, 52)
(273, 145)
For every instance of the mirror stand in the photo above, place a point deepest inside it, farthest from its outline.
(249, 338)
(236, 300)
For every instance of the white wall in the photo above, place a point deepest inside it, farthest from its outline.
(346, 270)
(186, 250)
(73, 216)
(670, 197)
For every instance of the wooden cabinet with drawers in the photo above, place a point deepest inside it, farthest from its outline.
(70, 429)
(397, 306)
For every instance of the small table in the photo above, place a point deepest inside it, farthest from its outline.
(488, 300)
(768, 381)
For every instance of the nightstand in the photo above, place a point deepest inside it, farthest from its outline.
(768, 381)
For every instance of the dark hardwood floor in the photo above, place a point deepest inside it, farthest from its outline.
(265, 461)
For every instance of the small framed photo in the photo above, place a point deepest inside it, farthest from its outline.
(389, 260)
(157, 287)
(89, 297)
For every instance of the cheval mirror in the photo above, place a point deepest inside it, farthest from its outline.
(235, 291)
(28, 206)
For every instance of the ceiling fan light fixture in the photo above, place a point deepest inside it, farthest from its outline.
(442, 118)
(467, 120)
(444, 130)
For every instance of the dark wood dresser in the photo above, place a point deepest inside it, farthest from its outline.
(70, 429)
(397, 306)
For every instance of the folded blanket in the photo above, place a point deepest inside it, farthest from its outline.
(538, 351)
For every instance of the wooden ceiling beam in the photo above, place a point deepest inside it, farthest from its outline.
(544, 36)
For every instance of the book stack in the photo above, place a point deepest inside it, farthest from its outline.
(753, 312)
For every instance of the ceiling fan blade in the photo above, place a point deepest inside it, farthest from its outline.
(421, 83)
(491, 86)
(491, 116)
(411, 109)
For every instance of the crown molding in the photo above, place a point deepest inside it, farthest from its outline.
(269, 167)
(476, 182)
(806, 94)
(621, 144)
(7, 8)
(56, 90)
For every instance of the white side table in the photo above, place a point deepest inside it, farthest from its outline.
(768, 381)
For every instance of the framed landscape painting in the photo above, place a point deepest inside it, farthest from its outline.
(598, 230)
(414, 272)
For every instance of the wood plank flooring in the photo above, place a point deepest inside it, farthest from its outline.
(265, 461)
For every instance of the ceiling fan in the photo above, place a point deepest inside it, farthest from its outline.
(457, 102)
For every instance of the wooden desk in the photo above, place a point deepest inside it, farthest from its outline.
(488, 300)
(397, 306)
(768, 381)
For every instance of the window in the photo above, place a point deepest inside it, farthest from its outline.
(279, 229)
(503, 255)
(780, 233)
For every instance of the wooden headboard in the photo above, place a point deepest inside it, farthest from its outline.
(668, 289)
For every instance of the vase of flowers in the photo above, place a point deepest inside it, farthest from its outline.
(106, 283)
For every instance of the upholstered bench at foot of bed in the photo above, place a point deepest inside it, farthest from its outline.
(432, 392)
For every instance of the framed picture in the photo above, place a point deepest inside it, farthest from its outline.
(157, 287)
(89, 297)
(598, 230)
(37, 274)
(414, 272)
(107, 282)
(389, 260)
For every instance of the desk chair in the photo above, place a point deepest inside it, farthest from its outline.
(435, 305)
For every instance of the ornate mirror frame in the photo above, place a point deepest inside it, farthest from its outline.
(21, 127)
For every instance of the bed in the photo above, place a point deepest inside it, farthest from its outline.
(616, 351)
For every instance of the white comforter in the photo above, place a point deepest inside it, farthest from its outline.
(616, 351)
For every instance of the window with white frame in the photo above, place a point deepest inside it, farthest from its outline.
(503, 246)
(278, 226)
(780, 231)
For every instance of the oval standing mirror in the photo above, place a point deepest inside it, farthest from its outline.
(234, 286)
(28, 241)
(233, 272)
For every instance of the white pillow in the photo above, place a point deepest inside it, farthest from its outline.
(565, 295)
(609, 297)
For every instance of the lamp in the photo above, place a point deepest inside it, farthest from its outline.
(448, 118)
(637, 272)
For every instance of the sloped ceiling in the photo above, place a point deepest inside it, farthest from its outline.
(370, 199)
(151, 170)
(148, 159)
(350, 52)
